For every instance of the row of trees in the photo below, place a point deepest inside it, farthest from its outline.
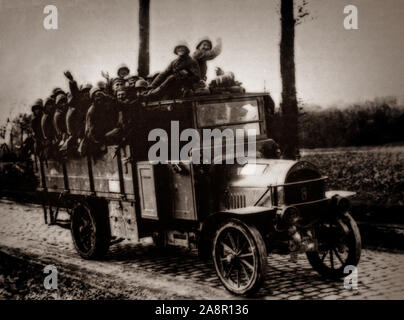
(371, 123)
(15, 131)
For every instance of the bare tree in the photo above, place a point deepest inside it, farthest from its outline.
(289, 101)
(144, 31)
(289, 104)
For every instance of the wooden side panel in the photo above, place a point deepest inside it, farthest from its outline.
(127, 172)
(147, 190)
(105, 173)
(183, 196)
(53, 171)
(77, 174)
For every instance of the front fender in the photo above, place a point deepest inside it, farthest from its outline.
(254, 214)
(342, 193)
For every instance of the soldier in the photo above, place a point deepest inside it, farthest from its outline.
(131, 86)
(48, 129)
(59, 118)
(99, 120)
(132, 81)
(128, 111)
(205, 52)
(118, 84)
(123, 71)
(55, 92)
(182, 73)
(141, 87)
(37, 110)
(78, 104)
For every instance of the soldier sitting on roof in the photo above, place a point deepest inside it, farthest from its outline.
(181, 74)
(205, 52)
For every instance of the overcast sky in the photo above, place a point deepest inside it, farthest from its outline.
(333, 65)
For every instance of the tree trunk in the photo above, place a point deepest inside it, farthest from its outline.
(144, 25)
(289, 101)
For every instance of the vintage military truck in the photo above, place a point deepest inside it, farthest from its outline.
(233, 213)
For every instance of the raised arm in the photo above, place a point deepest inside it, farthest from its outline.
(74, 89)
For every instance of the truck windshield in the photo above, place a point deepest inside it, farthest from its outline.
(233, 115)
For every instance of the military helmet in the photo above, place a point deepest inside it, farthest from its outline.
(182, 44)
(57, 91)
(60, 97)
(38, 105)
(93, 91)
(204, 39)
(86, 87)
(101, 85)
(49, 104)
(48, 101)
(118, 80)
(123, 71)
(141, 84)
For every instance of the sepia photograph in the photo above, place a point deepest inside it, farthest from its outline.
(202, 155)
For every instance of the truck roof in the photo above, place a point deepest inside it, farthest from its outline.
(213, 97)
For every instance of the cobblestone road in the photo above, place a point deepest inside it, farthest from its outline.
(183, 274)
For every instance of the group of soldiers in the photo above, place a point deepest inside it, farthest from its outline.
(87, 118)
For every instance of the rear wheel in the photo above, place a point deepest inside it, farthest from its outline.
(90, 231)
(240, 257)
(339, 245)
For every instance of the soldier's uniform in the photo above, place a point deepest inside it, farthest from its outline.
(37, 111)
(128, 113)
(48, 129)
(99, 119)
(59, 119)
(202, 55)
(181, 73)
(79, 103)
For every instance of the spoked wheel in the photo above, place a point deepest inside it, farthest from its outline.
(240, 257)
(339, 245)
(90, 232)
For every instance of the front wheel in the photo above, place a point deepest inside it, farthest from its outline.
(339, 245)
(90, 231)
(240, 257)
